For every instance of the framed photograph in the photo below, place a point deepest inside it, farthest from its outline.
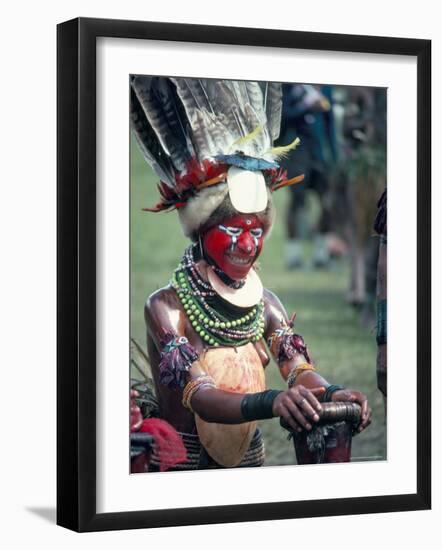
(222, 274)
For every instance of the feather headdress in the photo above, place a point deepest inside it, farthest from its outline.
(207, 139)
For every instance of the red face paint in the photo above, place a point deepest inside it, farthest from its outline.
(235, 244)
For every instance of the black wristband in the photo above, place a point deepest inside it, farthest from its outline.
(258, 406)
(330, 390)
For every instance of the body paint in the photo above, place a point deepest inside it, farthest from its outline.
(235, 245)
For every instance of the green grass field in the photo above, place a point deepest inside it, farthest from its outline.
(344, 351)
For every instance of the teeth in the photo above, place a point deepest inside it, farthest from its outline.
(239, 261)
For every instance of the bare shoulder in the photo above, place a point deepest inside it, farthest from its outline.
(271, 301)
(270, 297)
(163, 311)
(165, 297)
(275, 312)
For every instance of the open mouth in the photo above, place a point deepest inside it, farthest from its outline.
(240, 260)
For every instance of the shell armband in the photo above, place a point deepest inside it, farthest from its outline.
(286, 345)
(177, 356)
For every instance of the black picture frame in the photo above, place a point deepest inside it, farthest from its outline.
(76, 273)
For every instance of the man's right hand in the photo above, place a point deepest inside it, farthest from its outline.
(299, 407)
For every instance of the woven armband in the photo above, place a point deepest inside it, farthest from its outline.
(258, 406)
(285, 345)
(177, 356)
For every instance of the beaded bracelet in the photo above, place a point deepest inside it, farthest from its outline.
(193, 386)
(296, 371)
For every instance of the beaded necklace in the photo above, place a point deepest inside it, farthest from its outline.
(216, 321)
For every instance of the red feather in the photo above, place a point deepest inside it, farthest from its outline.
(168, 444)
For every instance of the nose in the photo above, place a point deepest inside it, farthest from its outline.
(246, 243)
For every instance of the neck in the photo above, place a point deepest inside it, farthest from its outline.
(232, 283)
(200, 253)
(205, 282)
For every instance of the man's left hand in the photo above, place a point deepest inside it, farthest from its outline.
(356, 397)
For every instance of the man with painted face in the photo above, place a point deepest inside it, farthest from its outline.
(211, 331)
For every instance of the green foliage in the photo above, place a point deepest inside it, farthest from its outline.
(344, 351)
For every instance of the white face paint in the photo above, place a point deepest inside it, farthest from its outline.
(256, 234)
(233, 232)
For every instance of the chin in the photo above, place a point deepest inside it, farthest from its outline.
(236, 275)
(237, 272)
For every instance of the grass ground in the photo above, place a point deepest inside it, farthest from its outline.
(344, 351)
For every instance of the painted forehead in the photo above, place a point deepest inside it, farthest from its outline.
(245, 221)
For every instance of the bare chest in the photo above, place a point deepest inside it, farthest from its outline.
(238, 370)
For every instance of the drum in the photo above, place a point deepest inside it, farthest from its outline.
(330, 439)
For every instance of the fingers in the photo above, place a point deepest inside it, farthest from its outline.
(364, 409)
(361, 399)
(303, 406)
(303, 403)
(286, 415)
(366, 412)
(298, 415)
(310, 395)
(318, 392)
(365, 420)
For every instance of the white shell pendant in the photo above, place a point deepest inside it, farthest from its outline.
(247, 296)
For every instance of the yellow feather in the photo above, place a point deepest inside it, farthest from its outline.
(249, 137)
(284, 150)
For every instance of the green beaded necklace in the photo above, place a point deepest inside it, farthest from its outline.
(213, 326)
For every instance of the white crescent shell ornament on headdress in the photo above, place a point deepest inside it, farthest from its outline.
(247, 190)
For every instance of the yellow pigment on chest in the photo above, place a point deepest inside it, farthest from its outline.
(238, 370)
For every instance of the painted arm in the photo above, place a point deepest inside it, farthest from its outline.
(166, 320)
(296, 366)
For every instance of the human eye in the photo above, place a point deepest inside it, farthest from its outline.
(257, 232)
(234, 231)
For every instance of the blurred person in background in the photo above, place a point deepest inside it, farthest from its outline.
(357, 183)
(308, 114)
(380, 228)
